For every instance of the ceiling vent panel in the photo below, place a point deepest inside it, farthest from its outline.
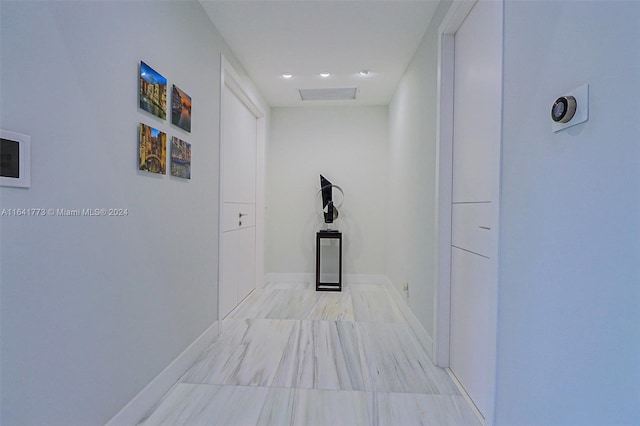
(336, 94)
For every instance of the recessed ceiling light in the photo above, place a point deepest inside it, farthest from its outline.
(366, 73)
(287, 75)
(325, 74)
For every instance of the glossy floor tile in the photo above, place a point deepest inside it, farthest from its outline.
(278, 407)
(330, 306)
(372, 303)
(329, 408)
(321, 355)
(418, 409)
(395, 361)
(276, 304)
(288, 355)
(188, 404)
(247, 352)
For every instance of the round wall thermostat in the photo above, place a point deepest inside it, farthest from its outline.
(563, 109)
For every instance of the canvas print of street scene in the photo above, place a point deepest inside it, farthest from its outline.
(181, 109)
(180, 158)
(152, 148)
(153, 91)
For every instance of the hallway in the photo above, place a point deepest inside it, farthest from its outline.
(288, 355)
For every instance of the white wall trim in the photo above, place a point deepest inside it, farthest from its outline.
(310, 277)
(444, 170)
(458, 11)
(144, 401)
(289, 278)
(365, 279)
(465, 395)
(444, 174)
(231, 78)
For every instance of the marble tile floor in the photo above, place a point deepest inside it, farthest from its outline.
(288, 355)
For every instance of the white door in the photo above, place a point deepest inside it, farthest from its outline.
(238, 177)
(476, 142)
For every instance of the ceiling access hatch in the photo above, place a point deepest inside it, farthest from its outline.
(335, 94)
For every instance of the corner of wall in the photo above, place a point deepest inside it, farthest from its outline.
(418, 329)
(144, 401)
(412, 178)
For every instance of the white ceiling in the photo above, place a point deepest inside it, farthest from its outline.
(307, 37)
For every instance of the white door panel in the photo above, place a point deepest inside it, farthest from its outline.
(238, 211)
(469, 323)
(476, 144)
(238, 216)
(246, 243)
(228, 289)
(477, 103)
(471, 227)
(239, 132)
(238, 273)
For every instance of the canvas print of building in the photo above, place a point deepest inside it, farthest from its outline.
(180, 158)
(153, 91)
(181, 109)
(152, 149)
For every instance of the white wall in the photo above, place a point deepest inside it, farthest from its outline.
(412, 149)
(569, 323)
(348, 145)
(94, 308)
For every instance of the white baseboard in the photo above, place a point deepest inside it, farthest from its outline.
(414, 323)
(304, 277)
(143, 402)
(466, 396)
(294, 278)
(365, 279)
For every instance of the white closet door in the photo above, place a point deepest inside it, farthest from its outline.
(476, 104)
(469, 360)
(238, 248)
(476, 139)
(239, 132)
(246, 243)
(238, 271)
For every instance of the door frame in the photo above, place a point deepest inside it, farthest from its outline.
(230, 78)
(452, 21)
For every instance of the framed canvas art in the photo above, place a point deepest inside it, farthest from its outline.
(180, 158)
(153, 91)
(181, 109)
(152, 149)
